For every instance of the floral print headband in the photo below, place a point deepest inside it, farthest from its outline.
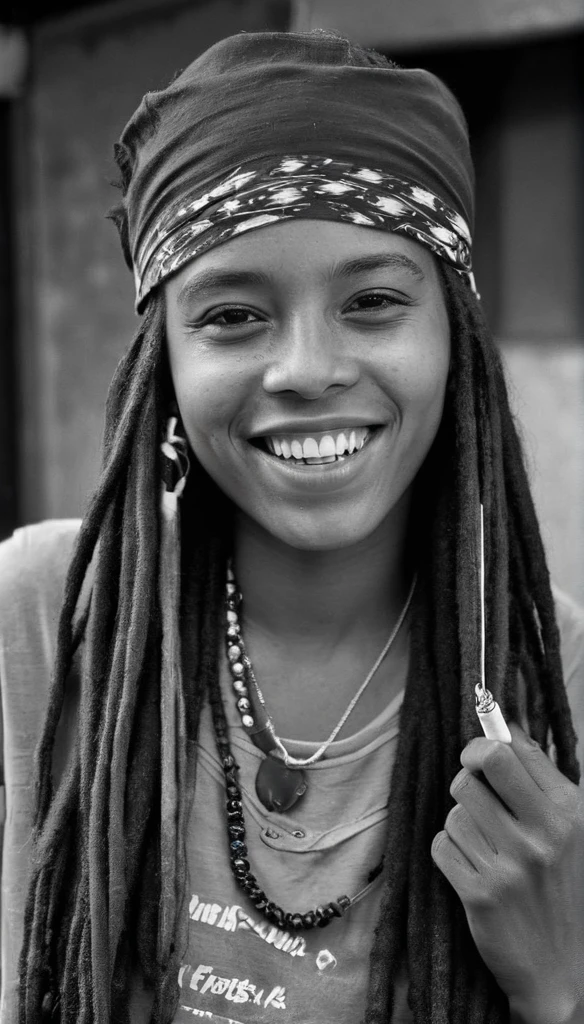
(318, 188)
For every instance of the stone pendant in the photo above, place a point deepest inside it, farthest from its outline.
(279, 787)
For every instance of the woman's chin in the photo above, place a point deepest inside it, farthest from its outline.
(311, 533)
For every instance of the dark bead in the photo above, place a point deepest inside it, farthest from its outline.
(231, 777)
(277, 916)
(262, 902)
(234, 807)
(344, 902)
(309, 919)
(240, 865)
(236, 829)
(233, 792)
(229, 761)
(251, 887)
(324, 915)
(238, 848)
(336, 910)
(295, 921)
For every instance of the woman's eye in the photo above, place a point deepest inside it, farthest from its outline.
(374, 302)
(232, 316)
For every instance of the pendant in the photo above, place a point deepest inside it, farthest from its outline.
(279, 787)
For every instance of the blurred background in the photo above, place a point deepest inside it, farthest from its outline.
(71, 76)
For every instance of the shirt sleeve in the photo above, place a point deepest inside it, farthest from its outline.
(33, 568)
(571, 625)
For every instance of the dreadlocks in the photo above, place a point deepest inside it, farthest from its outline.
(477, 447)
(94, 907)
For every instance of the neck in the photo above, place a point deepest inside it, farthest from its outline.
(305, 596)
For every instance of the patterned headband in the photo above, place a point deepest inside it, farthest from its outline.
(298, 187)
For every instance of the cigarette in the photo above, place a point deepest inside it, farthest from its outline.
(490, 716)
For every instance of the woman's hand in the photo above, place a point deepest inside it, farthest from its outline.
(513, 848)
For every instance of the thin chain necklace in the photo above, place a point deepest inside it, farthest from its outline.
(280, 781)
(247, 881)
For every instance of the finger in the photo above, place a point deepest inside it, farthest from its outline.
(478, 848)
(508, 777)
(541, 768)
(453, 864)
(491, 817)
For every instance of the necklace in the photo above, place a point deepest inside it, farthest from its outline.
(280, 781)
(323, 914)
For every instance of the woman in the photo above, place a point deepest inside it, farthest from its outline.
(213, 832)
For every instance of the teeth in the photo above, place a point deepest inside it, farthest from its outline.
(310, 449)
(327, 446)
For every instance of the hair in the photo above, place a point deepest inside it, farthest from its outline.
(105, 897)
(96, 907)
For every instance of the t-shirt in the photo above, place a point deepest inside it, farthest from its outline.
(237, 966)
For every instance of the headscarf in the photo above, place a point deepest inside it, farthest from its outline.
(270, 126)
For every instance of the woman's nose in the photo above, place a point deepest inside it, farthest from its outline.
(309, 358)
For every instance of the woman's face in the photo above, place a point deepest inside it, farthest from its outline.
(309, 361)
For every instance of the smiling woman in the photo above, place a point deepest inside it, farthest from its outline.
(264, 665)
(334, 337)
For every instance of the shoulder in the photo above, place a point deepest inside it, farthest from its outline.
(33, 566)
(40, 541)
(570, 617)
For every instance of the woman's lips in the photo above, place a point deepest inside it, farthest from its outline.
(326, 472)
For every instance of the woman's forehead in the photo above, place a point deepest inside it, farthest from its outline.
(327, 249)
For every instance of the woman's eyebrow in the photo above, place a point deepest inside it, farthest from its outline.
(212, 280)
(376, 261)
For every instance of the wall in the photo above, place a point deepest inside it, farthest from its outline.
(410, 24)
(540, 321)
(89, 73)
(524, 105)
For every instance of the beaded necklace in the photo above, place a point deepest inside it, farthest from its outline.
(280, 781)
(323, 914)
